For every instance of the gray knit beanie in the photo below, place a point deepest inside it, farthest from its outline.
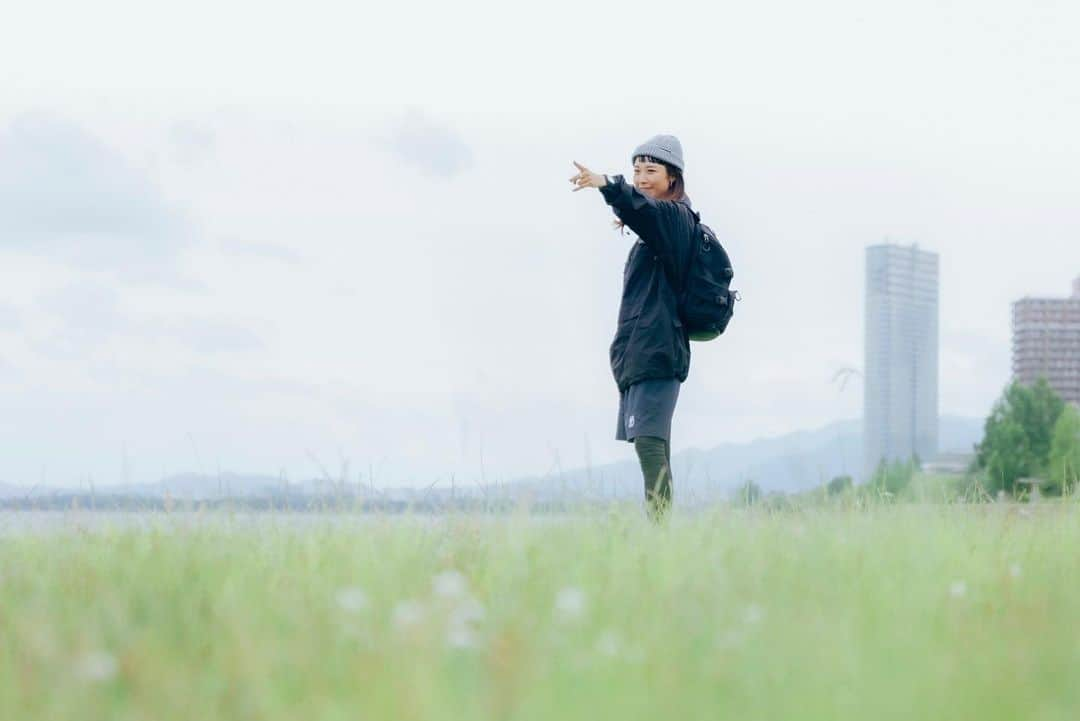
(662, 147)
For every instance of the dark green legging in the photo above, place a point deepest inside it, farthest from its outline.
(655, 456)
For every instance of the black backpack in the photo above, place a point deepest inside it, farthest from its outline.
(707, 302)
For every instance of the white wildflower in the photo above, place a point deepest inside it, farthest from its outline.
(958, 589)
(609, 644)
(753, 614)
(407, 614)
(1014, 570)
(570, 604)
(461, 636)
(352, 599)
(460, 631)
(96, 666)
(450, 584)
(468, 611)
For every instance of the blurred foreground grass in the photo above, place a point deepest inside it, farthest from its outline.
(905, 612)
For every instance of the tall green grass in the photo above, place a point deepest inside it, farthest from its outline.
(889, 612)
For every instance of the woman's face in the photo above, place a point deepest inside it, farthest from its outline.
(651, 179)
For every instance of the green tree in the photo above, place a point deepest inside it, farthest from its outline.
(838, 485)
(1017, 435)
(775, 501)
(748, 493)
(1064, 464)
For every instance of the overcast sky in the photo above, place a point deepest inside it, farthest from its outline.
(261, 237)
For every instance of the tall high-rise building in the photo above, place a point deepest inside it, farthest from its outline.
(1046, 342)
(900, 405)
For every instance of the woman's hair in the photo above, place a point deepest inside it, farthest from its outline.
(677, 189)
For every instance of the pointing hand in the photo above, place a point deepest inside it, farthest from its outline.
(585, 178)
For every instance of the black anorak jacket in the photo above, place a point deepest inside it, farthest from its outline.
(650, 341)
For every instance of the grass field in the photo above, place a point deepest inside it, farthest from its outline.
(892, 612)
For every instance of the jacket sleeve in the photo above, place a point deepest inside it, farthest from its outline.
(658, 223)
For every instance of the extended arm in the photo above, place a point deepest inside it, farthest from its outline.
(639, 211)
(646, 216)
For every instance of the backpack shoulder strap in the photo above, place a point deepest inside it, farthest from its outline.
(691, 254)
(695, 237)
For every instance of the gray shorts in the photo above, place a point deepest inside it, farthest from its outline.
(646, 408)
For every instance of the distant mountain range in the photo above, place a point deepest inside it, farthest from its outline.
(789, 463)
(193, 486)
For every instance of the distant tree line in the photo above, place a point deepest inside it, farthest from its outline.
(68, 501)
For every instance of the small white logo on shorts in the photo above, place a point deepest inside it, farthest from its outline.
(630, 422)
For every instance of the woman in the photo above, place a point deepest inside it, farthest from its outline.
(650, 355)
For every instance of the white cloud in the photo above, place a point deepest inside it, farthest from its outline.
(10, 318)
(434, 148)
(67, 195)
(84, 317)
(264, 250)
(191, 142)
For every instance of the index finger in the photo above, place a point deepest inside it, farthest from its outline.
(579, 165)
